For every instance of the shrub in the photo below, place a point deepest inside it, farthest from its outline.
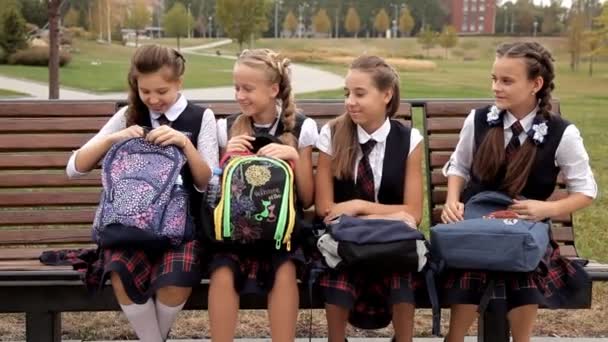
(37, 56)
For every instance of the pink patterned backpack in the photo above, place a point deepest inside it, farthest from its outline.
(141, 205)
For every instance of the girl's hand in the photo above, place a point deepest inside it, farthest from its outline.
(165, 135)
(452, 212)
(532, 210)
(240, 143)
(280, 151)
(134, 131)
(350, 208)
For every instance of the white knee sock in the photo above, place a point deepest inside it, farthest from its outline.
(143, 320)
(166, 317)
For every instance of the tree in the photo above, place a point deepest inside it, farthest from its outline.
(71, 18)
(139, 18)
(53, 12)
(576, 28)
(596, 39)
(406, 22)
(448, 38)
(243, 20)
(382, 21)
(352, 23)
(14, 30)
(34, 11)
(291, 23)
(524, 16)
(321, 22)
(427, 38)
(177, 21)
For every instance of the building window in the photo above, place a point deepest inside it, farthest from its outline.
(465, 8)
(482, 8)
(464, 27)
(480, 27)
(472, 27)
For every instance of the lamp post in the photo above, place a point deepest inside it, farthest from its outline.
(210, 24)
(277, 4)
(301, 8)
(535, 27)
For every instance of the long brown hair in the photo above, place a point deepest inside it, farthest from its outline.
(276, 69)
(344, 131)
(148, 59)
(491, 153)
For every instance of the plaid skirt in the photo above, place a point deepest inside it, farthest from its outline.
(142, 274)
(254, 273)
(370, 297)
(553, 284)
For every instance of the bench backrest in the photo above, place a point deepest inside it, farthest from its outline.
(39, 205)
(443, 121)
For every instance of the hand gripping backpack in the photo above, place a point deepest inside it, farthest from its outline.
(483, 242)
(141, 205)
(257, 205)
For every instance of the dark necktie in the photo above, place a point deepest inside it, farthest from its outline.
(514, 143)
(365, 176)
(162, 120)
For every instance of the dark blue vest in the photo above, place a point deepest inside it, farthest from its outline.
(393, 170)
(543, 175)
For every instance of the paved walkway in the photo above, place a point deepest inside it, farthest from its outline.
(305, 79)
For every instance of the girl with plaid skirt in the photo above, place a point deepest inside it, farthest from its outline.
(152, 287)
(517, 146)
(263, 91)
(370, 166)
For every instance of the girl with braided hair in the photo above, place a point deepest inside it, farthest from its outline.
(262, 84)
(518, 146)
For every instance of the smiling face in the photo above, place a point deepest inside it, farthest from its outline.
(512, 87)
(364, 102)
(253, 91)
(158, 90)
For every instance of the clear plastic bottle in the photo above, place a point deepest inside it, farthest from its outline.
(214, 190)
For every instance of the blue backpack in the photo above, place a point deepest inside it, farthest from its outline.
(480, 242)
(141, 205)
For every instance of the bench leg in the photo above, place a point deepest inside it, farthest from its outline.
(43, 326)
(493, 325)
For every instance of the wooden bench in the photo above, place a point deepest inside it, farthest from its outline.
(443, 121)
(40, 209)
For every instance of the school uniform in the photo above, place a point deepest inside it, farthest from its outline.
(254, 271)
(370, 295)
(143, 272)
(557, 279)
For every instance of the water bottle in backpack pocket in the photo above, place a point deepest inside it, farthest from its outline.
(141, 205)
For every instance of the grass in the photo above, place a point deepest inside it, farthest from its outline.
(102, 68)
(11, 93)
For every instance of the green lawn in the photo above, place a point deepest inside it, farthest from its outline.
(102, 68)
(10, 93)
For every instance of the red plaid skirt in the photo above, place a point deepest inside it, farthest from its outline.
(552, 284)
(370, 297)
(143, 274)
(254, 274)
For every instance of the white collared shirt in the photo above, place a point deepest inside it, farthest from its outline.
(570, 156)
(206, 142)
(309, 133)
(376, 156)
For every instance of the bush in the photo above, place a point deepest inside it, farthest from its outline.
(469, 44)
(77, 32)
(37, 56)
(3, 55)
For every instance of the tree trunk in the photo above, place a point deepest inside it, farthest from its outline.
(178, 46)
(136, 38)
(591, 66)
(53, 7)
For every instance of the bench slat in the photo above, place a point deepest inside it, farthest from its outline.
(57, 108)
(31, 253)
(39, 142)
(33, 179)
(24, 125)
(444, 125)
(443, 143)
(45, 236)
(50, 197)
(46, 217)
(34, 160)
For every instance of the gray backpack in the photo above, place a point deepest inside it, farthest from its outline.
(490, 244)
